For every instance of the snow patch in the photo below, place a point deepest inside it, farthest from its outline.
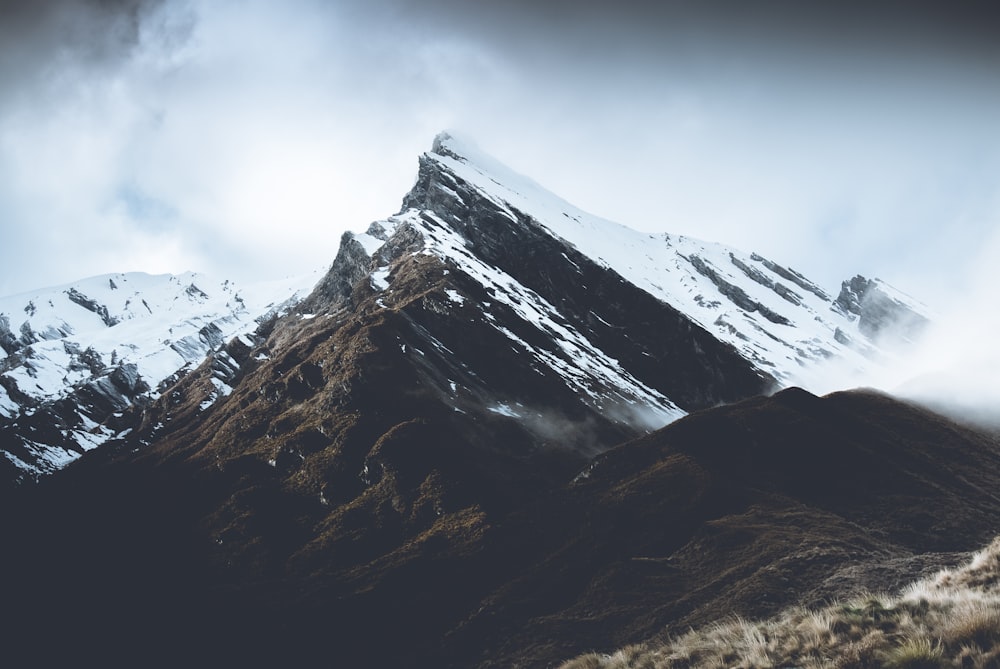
(504, 410)
(369, 243)
(380, 278)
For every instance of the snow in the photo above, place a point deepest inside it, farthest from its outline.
(504, 410)
(22, 465)
(8, 407)
(48, 458)
(223, 389)
(369, 243)
(380, 278)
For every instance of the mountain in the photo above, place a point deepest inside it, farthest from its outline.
(642, 328)
(74, 357)
(451, 453)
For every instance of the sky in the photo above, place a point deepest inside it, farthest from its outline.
(243, 137)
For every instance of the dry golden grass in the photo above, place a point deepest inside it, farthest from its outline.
(949, 620)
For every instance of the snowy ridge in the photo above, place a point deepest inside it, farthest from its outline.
(111, 339)
(774, 316)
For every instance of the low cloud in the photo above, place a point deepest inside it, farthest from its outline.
(954, 364)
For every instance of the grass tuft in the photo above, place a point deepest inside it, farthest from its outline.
(915, 654)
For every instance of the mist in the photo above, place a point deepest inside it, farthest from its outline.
(955, 366)
(952, 365)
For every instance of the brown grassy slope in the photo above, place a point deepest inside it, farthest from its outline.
(949, 620)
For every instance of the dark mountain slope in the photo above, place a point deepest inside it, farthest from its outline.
(742, 509)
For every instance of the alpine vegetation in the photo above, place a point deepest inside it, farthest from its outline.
(949, 620)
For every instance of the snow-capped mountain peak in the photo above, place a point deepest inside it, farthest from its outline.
(773, 315)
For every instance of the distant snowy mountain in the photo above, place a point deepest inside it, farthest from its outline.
(73, 357)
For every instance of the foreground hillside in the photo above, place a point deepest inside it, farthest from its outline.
(740, 510)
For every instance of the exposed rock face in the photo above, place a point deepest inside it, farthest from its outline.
(791, 275)
(737, 294)
(852, 292)
(881, 312)
(91, 305)
(350, 266)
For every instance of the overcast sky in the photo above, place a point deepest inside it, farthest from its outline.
(242, 138)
